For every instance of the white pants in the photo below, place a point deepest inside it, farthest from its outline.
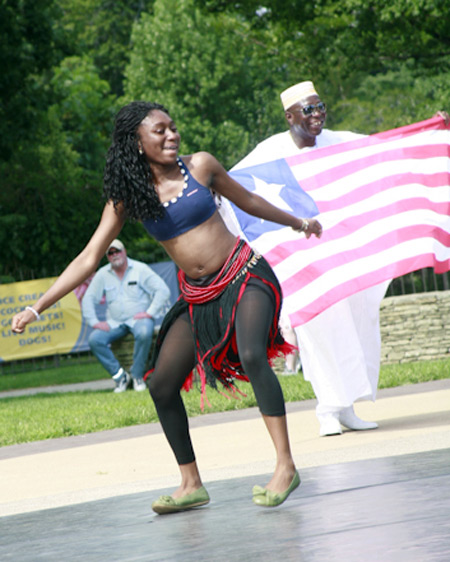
(340, 350)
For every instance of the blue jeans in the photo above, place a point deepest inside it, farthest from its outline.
(99, 342)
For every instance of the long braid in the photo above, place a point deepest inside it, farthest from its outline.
(127, 177)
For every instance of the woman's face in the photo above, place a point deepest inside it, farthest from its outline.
(159, 138)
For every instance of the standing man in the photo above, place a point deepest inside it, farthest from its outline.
(134, 295)
(340, 348)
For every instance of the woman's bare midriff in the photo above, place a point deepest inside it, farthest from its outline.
(202, 250)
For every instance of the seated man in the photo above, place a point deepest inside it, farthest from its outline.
(134, 296)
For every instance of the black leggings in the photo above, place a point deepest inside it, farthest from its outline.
(176, 360)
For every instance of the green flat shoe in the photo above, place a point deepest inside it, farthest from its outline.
(168, 504)
(267, 498)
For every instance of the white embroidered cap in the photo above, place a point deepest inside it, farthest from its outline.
(297, 93)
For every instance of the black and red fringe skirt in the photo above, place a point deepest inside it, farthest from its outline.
(211, 304)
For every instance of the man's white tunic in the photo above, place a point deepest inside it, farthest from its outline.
(340, 348)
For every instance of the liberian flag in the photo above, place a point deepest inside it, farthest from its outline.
(383, 201)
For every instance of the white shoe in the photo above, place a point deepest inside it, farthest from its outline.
(122, 379)
(349, 419)
(139, 385)
(329, 425)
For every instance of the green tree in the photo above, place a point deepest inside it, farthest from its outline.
(28, 49)
(390, 100)
(51, 187)
(56, 118)
(86, 109)
(101, 29)
(217, 82)
(377, 64)
(37, 205)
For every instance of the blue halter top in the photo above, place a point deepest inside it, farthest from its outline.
(194, 205)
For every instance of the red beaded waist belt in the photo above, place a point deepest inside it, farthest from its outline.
(240, 258)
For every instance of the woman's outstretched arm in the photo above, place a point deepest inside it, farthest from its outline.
(251, 203)
(79, 269)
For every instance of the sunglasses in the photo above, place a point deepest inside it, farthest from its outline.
(113, 251)
(311, 108)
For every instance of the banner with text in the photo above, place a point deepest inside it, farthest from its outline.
(60, 330)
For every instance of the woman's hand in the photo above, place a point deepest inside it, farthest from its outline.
(309, 227)
(21, 319)
(444, 115)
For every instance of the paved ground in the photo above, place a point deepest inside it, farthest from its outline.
(379, 495)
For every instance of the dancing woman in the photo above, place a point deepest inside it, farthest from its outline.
(226, 321)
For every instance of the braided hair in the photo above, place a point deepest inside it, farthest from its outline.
(127, 178)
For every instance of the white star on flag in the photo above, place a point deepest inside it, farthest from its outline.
(271, 192)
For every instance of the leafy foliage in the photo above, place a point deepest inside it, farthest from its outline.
(28, 48)
(101, 29)
(51, 186)
(85, 109)
(377, 64)
(217, 84)
(401, 98)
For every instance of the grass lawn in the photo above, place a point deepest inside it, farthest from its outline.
(46, 416)
(65, 374)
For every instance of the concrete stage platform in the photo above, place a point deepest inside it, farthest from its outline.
(381, 495)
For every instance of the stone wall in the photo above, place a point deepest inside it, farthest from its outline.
(414, 327)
